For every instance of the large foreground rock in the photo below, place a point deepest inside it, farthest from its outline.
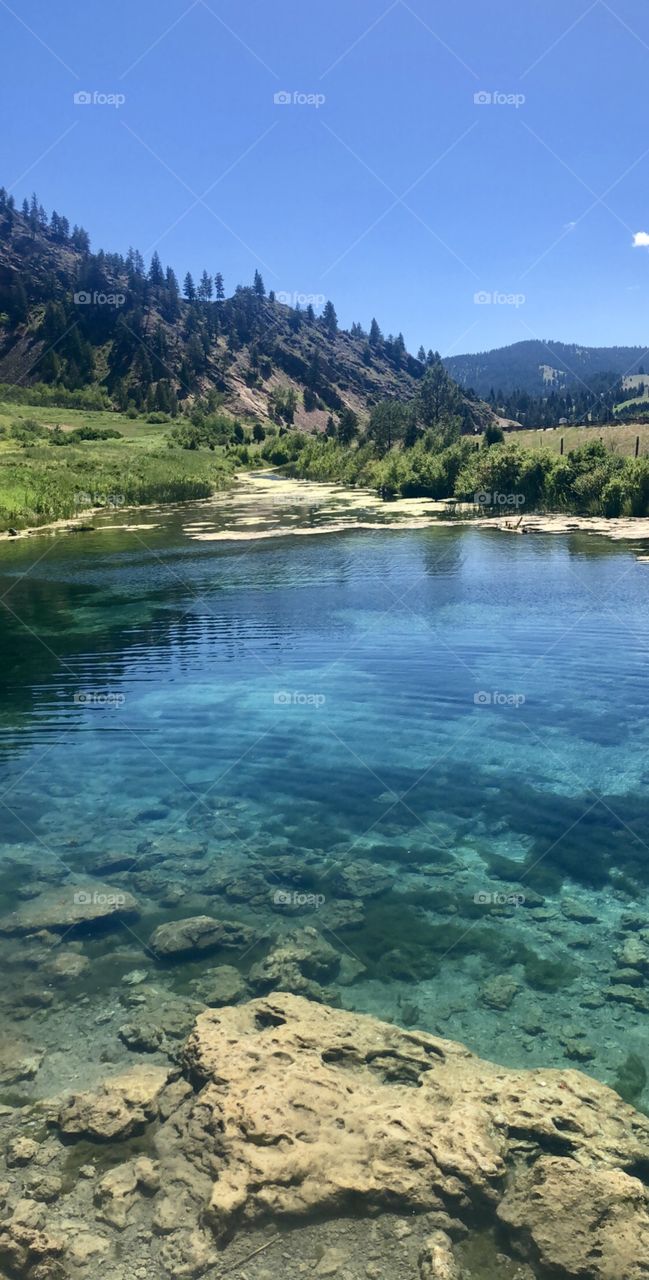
(74, 906)
(307, 1110)
(286, 1110)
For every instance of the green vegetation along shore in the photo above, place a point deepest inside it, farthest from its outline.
(57, 462)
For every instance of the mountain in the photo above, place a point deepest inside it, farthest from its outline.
(539, 368)
(79, 320)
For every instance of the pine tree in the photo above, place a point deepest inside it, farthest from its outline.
(330, 319)
(218, 286)
(205, 287)
(375, 334)
(421, 355)
(156, 273)
(189, 288)
(259, 286)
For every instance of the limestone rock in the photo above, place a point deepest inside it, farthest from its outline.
(436, 1261)
(66, 966)
(634, 955)
(220, 986)
(20, 1151)
(19, 1060)
(298, 963)
(120, 1108)
(73, 906)
(199, 934)
(363, 879)
(499, 992)
(117, 1191)
(580, 1220)
(578, 912)
(315, 1110)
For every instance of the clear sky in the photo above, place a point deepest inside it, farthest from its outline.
(385, 185)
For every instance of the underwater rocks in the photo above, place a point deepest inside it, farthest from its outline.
(220, 986)
(307, 1110)
(437, 1261)
(19, 1060)
(120, 1108)
(72, 906)
(284, 1111)
(199, 934)
(499, 992)
(299, 963)
(578, 1224)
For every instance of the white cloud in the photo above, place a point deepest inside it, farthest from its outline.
(641, 240)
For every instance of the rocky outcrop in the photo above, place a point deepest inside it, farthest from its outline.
(317, 1111)
(288, 1110)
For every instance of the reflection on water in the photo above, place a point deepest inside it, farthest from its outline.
(428, 745)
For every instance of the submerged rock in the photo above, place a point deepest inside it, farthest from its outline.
(285, 1111)
(299, 962)
(220, 986)
(437, 1261)
(71, 907)
(120, 1108)
(199, 934)
(499, 992)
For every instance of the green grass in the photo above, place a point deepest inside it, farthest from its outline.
(45, 482)
(619, 438)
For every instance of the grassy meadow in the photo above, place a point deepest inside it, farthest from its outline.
(41, 482)
(619, 437)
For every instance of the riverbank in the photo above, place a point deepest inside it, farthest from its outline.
(265, 504)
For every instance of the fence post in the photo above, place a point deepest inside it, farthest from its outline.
(561, 446)
(637, 446)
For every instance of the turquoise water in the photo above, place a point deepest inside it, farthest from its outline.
(262, 728)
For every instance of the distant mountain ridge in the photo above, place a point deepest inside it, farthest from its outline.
(539, 367)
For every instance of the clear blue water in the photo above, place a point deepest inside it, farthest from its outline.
(292, 707)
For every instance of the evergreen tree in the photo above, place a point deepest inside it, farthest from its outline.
(375, 334)
(205, 287)
(330, 319)
(189, 288)
(156, 273)
(218, 287)
(259, 286)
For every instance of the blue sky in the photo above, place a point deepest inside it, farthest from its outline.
(398, 196)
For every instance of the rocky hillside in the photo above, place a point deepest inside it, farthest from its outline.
(77, 319)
